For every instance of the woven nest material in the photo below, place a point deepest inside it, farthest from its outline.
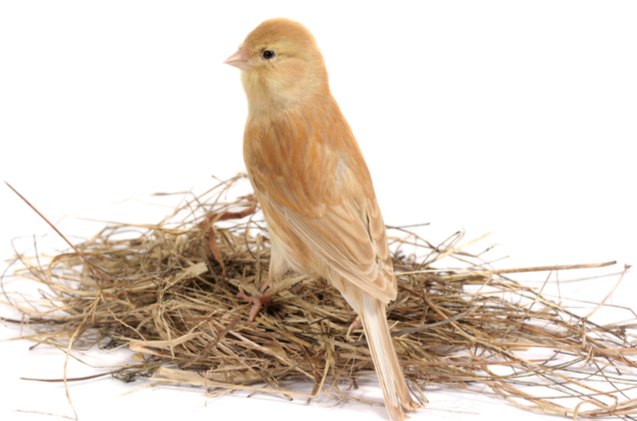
(170, 293)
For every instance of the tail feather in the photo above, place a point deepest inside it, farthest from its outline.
(390, 375)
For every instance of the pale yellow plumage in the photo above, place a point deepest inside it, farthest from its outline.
(314, 187)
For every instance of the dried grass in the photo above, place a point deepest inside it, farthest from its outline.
(168, 292)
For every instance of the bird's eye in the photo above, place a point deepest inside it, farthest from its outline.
(268, 54)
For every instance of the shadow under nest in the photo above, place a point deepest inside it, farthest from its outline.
(169, 292)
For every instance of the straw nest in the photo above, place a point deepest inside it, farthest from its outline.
(171, 293)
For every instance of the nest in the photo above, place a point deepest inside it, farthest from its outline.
(172, 293)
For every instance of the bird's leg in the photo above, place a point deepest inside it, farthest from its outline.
(265, 284)
(356, 324)
(257, 302)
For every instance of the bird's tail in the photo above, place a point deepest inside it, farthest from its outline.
(398, 399)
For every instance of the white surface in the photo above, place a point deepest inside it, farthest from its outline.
(509, 117)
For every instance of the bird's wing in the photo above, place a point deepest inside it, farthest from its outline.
(347, 243)
(320, 189)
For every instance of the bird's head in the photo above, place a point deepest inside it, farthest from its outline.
(281, 66)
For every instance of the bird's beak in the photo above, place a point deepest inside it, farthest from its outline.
(239, 59)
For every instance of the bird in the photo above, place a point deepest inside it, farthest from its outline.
(314, 187)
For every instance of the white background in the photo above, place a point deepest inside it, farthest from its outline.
(516, 118)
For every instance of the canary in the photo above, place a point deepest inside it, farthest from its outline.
(314, 187)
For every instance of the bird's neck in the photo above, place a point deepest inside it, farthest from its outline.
(276, 107)
(271, 97)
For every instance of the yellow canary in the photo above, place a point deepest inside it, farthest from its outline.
(314, 187)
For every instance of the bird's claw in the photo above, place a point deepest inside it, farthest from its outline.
(257, 303)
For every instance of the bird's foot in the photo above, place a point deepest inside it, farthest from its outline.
(257, 303)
